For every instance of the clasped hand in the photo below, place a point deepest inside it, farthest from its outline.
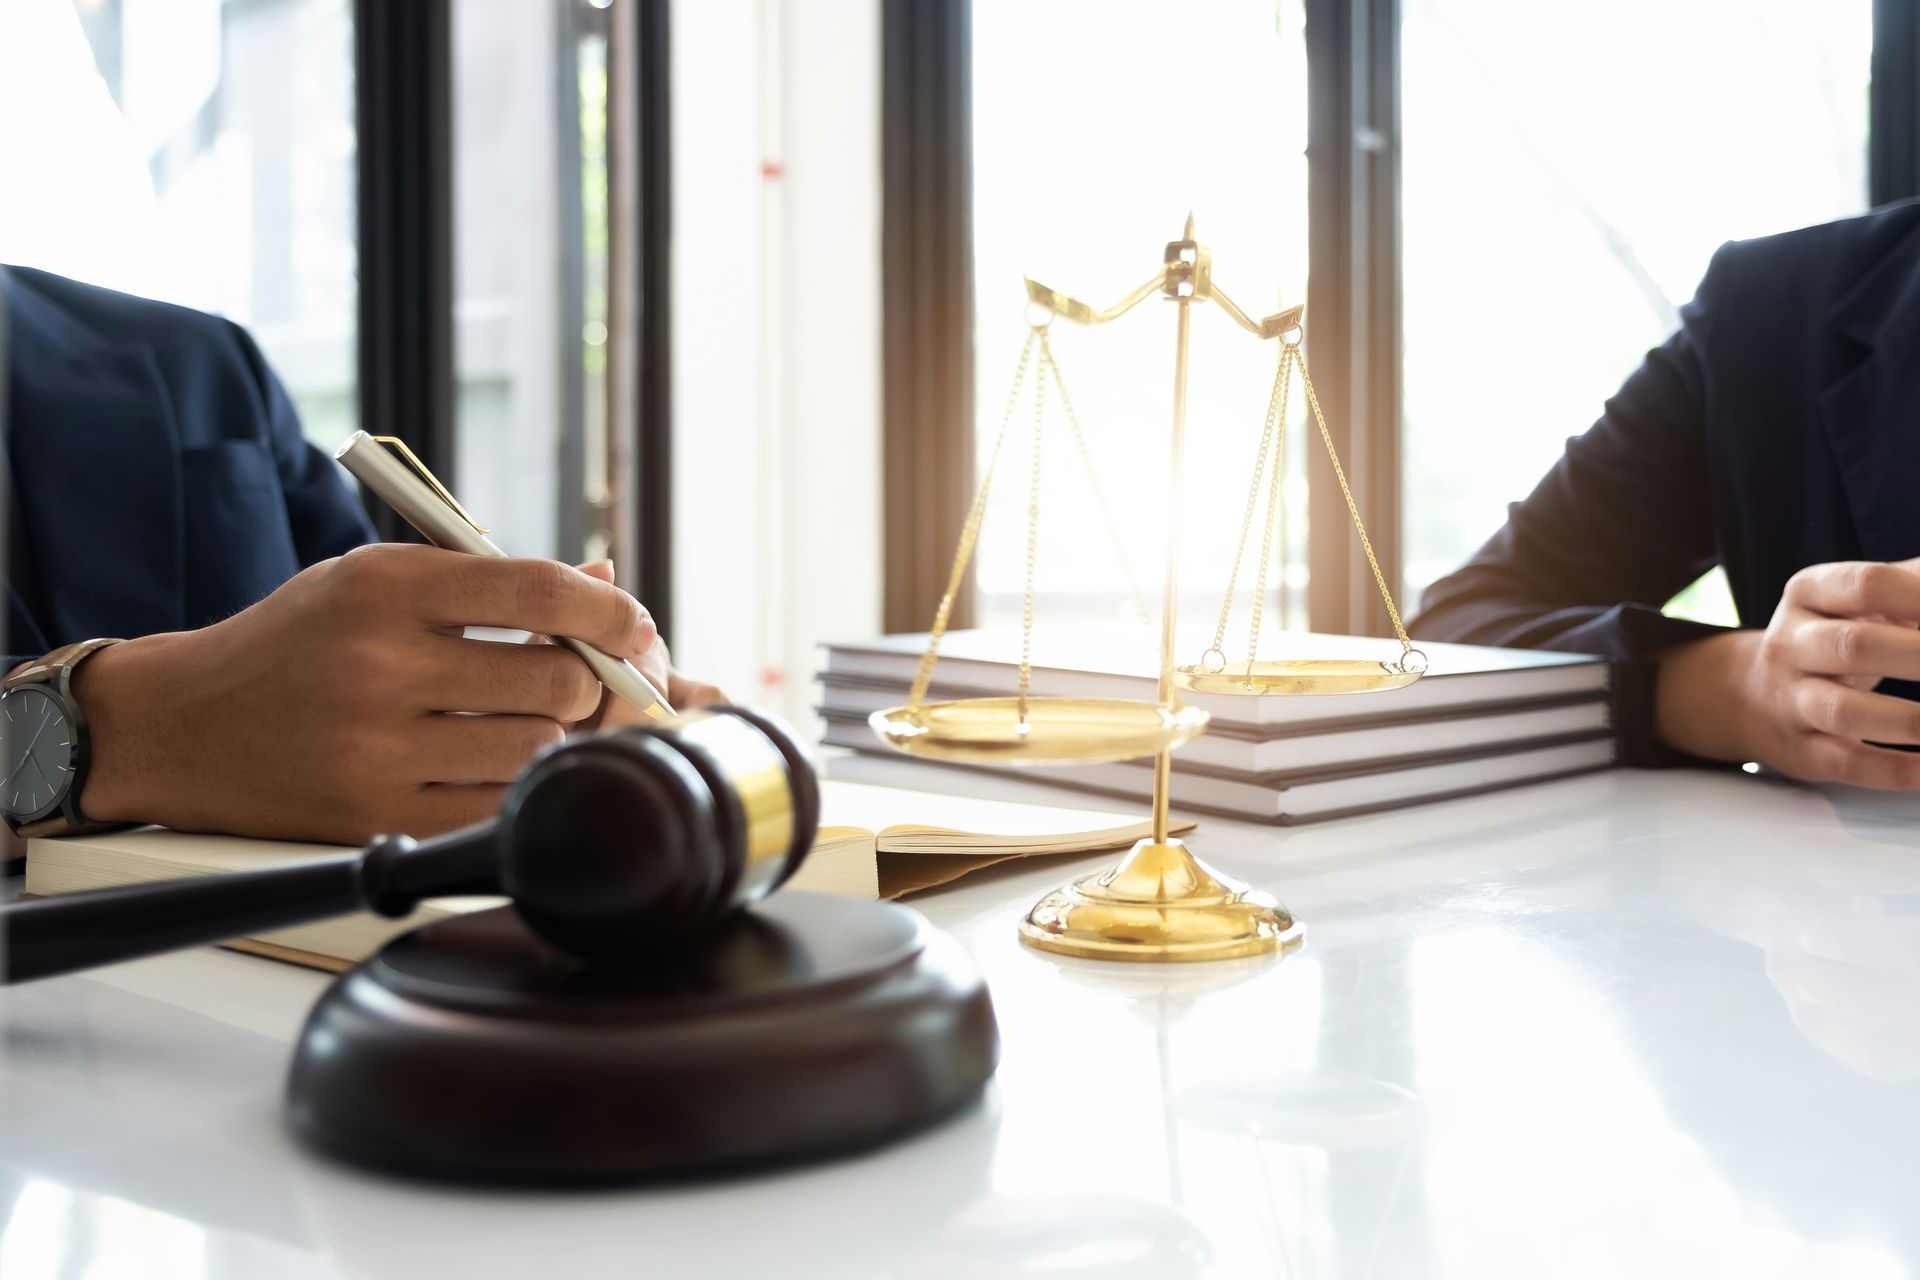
(1799, 696)
(350, 703)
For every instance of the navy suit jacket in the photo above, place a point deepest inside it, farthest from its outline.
(1779, 428)
(157, 478)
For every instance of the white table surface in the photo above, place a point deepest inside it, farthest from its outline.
(1627, 1025)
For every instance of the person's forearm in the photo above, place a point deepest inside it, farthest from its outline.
(1479, 605)
(1700, 704)
(124, 691)
(1482, 604)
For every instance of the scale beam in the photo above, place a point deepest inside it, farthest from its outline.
(1185, 280)
(1080, 313)
(1273, 326)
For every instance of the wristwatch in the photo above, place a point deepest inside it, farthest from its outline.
(45, 745)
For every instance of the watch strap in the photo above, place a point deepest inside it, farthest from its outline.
(49, 667)
(60, 824)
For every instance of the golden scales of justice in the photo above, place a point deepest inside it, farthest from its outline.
(1159, 902)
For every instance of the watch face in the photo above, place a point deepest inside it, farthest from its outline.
(38, 739)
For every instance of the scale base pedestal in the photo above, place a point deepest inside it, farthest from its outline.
(1159, 903)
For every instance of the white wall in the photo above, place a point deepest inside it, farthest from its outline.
(776, 364)
(716, 340)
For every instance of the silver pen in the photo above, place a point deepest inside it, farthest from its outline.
(403, 482)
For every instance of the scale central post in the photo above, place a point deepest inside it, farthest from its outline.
(1185, 255)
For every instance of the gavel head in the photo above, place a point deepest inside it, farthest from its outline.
(618, 845)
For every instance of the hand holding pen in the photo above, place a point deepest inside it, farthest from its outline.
(402, 481)
(348, 703)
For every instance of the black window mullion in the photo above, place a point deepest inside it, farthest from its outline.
(649, 277)
(1893, 110)
(404, 126)
(927, 306)
(570, 19)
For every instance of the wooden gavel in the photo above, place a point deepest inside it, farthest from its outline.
(612, 848)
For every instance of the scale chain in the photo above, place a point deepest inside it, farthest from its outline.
(1253, 496)
(1033, 532)
(1353, 509)
(1278, 420)
(969, 533)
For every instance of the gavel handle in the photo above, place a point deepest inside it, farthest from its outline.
(393, 875)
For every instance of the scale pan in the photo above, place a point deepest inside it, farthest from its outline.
(1302, 675)
(1058, 730)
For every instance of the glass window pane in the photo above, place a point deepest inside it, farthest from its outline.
(530, 272)
(1568, 171)
(198, 152)
(506, 247)
(1095, 133)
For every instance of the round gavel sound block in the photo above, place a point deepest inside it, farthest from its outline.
(807, 1027)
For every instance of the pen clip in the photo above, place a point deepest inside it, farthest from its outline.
(433, 482)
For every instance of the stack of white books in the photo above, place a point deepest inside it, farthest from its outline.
(1480, 719)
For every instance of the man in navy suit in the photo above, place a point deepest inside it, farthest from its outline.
(278, 676)
(1777, 434)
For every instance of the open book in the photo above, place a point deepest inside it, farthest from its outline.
(873, 842)
(922, 839)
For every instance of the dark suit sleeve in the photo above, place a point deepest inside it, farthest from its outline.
(1621, 523)
(322, 509)
(22, 633)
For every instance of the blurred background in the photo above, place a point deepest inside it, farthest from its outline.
(731, 289)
